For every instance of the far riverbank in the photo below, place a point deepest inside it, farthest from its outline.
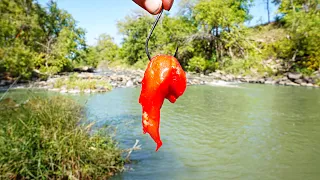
(121, 78)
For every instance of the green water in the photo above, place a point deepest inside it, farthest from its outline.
(250, 132)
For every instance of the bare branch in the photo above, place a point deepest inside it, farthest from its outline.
(134, 148)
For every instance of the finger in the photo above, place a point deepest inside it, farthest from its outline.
(167, 4)
(152, 6)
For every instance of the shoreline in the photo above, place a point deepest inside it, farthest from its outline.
(124, 78)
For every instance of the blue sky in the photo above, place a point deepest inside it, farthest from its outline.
(101, 16)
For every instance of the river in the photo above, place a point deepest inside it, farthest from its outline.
(245, 132)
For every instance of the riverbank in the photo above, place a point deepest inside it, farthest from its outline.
(98, 82)
(49, 138)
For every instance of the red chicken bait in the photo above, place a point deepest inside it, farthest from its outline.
(163, 78)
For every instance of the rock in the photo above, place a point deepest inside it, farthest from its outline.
(229, 77)
(63, 91)
(310, 80)
(317, 74)
(253, 80)
(87, 91)
(207, 72)
(54, 90)
(239, 77)
(74, 91)
(119, 79)
(298, 81)
(268, 79)
(84, 69)
(243, 80)
(261, 81)
(2, 83)
(294, 76)
(129, 83)
(91, 69)
(220, 72)
(195, 82)
(303, 84)
(291, 84)
(100, 88)
(284, 78)
(64, 87)
(309, 85)
(270, 82)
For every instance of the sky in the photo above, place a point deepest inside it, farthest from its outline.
(101, 16)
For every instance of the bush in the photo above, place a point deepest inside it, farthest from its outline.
(246, 66)
(200, 64)
(44, 139)
(82, 84)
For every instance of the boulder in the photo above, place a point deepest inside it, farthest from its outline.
(74, 91)
(294, 76)
(261, 81)
(3, 83)
(129, 83)
(298, 81)
(291, 84)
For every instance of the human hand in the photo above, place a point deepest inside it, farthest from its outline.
(154, 6)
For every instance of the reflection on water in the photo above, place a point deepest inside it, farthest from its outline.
(254, 132)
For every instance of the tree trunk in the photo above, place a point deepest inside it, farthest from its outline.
(268, 9)
(230, 52)
(217, 44)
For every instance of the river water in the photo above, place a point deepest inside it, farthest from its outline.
(246, 132)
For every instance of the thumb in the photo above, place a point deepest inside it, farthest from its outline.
(152, 6)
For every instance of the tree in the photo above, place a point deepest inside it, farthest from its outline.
(170, 33)
(104, 50)
(218, 18)
(302, 48)
(268, 9)
(36, 39)
(135, 29)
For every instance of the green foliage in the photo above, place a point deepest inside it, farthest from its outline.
(36, 39)
(300, 46)
(221, 13)
(49, 41)
(73, 82)
(18, 60)
(221, 20)
(169, 33)
(104, 50)
(42, 139)
(200, 64)
(135, 29)
(246, 66)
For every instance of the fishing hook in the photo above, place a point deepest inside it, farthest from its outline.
(151, 31)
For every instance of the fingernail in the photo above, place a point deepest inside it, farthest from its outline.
(153, 6)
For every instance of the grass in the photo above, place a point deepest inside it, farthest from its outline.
(44, 139)
(73, 82)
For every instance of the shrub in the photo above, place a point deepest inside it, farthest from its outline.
(82, 84)
(200, 64)
(45, 139)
